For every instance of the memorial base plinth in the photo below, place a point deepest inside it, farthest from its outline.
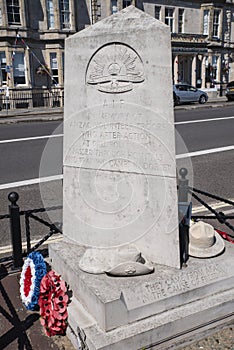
(162, 310)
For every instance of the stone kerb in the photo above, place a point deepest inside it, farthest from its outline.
(119, 152)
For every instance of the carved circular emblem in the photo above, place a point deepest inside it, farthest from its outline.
(115, 68)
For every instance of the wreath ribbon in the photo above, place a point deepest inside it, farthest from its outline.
(225, 236)
(33, 270)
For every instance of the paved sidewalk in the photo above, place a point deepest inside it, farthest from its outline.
(30, 115)
(219, 101)
(54, 114)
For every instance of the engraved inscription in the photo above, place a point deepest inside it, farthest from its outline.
(119, 146)
(167, 285)
(175, 284)
(119, 136)
(115, 68)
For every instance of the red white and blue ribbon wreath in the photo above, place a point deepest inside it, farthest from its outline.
(33, 270)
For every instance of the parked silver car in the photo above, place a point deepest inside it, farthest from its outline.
(186, 93)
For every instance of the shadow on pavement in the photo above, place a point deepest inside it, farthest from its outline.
(20, 329)
(9, 312)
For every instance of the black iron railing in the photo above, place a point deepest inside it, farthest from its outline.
(31, 97)
(184, 190)
(185, 214)
(15, 228)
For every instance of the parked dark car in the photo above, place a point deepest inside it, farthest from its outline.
(230, 91)
(186, 93)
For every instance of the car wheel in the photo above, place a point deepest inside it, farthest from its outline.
(230, 99)
(202, 99)
(177, 101)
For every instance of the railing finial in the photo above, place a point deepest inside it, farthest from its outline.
(183, 173)
(13, 197)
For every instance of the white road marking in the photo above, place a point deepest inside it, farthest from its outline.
(205, 151)
(203, 120)
(31, 181)
(55, 238)
(60, 177)
(31, 138)
(216, 205)
(61, 135)
(228, 212)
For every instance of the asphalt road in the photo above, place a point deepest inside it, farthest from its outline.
(209, 129)
(20, 160)
(205, 128)
(203, 113)
(201, 129)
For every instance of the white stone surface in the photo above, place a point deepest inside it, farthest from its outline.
(171, 329)
(119, 147)
(121, 136)
(106, 209)
(116, 301)
(152, 310)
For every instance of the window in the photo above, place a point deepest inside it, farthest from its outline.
(206, 20)
(13, 11)
(216, 23)
(63, 63)
(3, 72)
(50, 13)
(126, 3)
(214, 67)
(157, 11)
(181, 21)
(54, 67)
(19, 68)
(169, 18)
(64, 14)
(114, 7)
(0, 17)
(181, 87)
(191, 88)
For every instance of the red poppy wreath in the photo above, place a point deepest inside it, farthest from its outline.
(53, 301)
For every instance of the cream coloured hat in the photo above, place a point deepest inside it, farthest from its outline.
(204, 241)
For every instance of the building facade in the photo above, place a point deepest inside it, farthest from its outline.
(32, 35)
(202, 35)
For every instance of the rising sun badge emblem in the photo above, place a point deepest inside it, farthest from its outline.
(115, 68)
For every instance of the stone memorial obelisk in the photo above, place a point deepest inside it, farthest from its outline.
(120, 199)
(119, 147)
